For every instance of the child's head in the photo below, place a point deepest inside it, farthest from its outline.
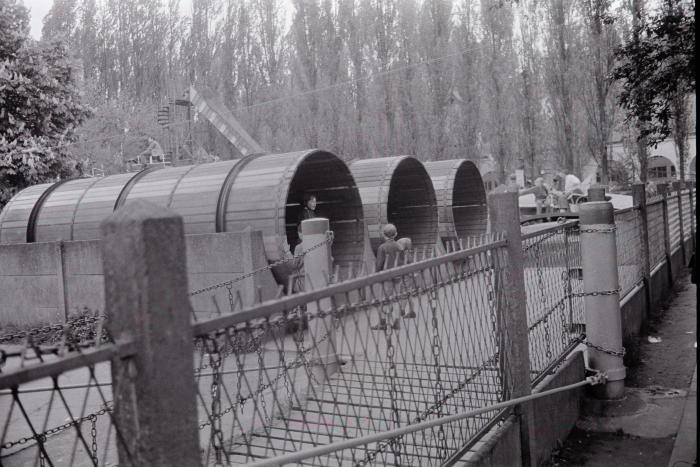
(404, 243)
(310, 201)
(389, 231)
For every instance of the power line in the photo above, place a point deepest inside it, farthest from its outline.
(368, 77)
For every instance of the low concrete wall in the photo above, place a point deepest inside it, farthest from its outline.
(499, 447)
(555, 416)
(46, 282)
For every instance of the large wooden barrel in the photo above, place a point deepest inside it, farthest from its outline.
(16, 214)
(397, 190)
(263, 192)
(461, 198)
(268, 191)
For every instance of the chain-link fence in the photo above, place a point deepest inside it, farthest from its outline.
(629, 247)
(674, 226)
(655, 226)
(56, 396)
(289, 268)
(364, 356)
(689, 217)
(553, 275)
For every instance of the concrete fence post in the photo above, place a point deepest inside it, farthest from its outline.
(663, 190)
(504, 216)
(601, 289)
(678, 186)
(143, 251)
(639, 199)
(317, 272)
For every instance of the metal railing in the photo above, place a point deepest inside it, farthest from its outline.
(397, 357)
(364, 356)
(56, 399)
(553, 277)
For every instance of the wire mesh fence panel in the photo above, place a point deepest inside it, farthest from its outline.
(365, 356)
(553, 277)
(629, 247)
(655, 226)
(688, 215)
(56, 406)
(674, 226)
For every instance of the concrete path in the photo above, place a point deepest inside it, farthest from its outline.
(656, 423)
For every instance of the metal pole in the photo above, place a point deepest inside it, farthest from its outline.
(663, 190)
(602, 296)
(691, 221)
(678, 186)
(504, 217)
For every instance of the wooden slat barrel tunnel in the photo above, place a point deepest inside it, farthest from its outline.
(397, 190)
(262, 192)
(461, 198)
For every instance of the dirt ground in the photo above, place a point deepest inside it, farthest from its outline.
(669, 363)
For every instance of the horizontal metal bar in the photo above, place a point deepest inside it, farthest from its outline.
(271, 307)
(554, 228)
(380, 436)
(73, 361)
(8, 392)
(626, 210)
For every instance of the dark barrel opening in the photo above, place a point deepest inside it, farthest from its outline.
(328, 178)
(469, 201)
(411, 205)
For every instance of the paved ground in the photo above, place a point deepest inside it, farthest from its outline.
(653, 425)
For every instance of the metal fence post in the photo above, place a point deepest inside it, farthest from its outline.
(691, 222)
(601, 291)
(663, 190)
(639, 198)
(504, 217)
(678, 186)
(146, 301)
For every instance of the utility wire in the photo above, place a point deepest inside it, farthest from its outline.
(368, 77)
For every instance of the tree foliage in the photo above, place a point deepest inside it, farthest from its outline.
(656, 66)
(39, 106)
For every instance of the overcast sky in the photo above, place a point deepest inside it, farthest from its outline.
(37, 11)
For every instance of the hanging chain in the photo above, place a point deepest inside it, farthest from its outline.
(596, 293)
(216, 436)
(600, 230)
(436, 346)
(328, 241)
(616, 353)
(93, 434)
(395, 443)
(543, 299)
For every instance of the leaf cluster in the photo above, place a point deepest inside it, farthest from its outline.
(39, 107)
(654, 67)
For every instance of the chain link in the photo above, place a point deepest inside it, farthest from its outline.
(601, 230)
(93, 435)
(596, 293)
(41, 437)
(327, 241)
(616, 353)
(71, 323)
